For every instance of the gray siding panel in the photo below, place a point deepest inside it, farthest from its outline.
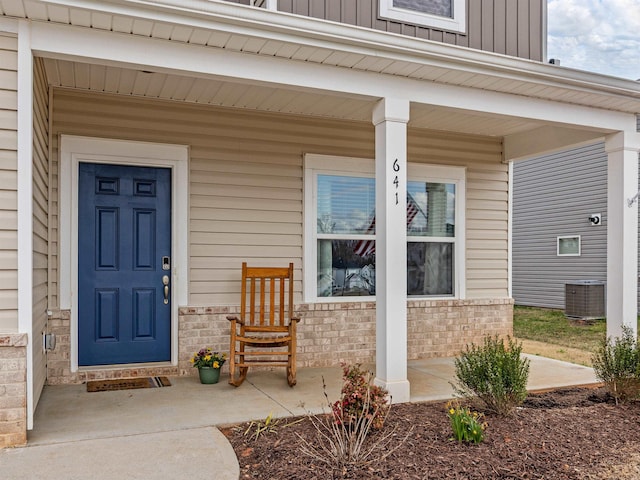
(554, 196)
(511, 27)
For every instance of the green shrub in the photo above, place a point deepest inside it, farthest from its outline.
(617, 364)
(467, 426)
(496, 374)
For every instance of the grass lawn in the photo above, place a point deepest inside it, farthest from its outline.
(549, 333)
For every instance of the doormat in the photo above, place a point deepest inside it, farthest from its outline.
(127, 384)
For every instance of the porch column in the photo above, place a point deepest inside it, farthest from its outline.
(622, 232)
(390, 117)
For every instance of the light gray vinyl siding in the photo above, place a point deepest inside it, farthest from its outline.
(8, 183)
(40, 222)
(246, 182)
(554, 196)
(510, 27)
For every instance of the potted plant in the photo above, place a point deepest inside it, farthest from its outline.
(209, 364)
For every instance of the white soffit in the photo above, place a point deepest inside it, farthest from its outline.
(163, 86)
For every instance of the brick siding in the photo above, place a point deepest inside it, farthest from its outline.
(329, 333)
(13, 390)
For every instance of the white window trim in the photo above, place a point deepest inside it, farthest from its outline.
(74, 149)
(327, 164)
(456, 24)
(568, 254)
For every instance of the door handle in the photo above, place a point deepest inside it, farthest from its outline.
(165, 282)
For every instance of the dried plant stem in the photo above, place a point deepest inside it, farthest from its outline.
(339, 443)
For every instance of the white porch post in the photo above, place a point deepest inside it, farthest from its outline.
(390, 118)
(25, 205)
(622, 232)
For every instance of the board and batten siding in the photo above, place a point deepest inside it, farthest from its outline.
(510, 27)
(40, 222)
(246, 182)
(8, 183)
(553, 196)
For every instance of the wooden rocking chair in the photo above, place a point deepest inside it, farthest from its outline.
(266, 324)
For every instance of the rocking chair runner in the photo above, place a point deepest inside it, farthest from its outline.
(266, 324)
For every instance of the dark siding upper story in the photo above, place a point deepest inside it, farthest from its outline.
(510, 27)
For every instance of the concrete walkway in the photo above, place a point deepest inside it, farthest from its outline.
(169, 433)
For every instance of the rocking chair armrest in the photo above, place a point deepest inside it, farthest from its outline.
(234, 318)
(295, 319)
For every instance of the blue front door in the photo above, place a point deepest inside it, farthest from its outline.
(124, 239)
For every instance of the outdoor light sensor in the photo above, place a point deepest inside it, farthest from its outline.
(595, 218)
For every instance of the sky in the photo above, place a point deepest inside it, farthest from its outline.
(600, 36)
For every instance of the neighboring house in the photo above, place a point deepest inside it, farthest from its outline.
(556, 240)
(553, 198)
(180, 138)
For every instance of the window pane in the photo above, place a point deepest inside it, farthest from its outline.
(342, 271)
(429, 268)
(431, 209)
(346, 204)
(569, 245)
(442, 8)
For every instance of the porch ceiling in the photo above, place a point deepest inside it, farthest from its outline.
(165, 86)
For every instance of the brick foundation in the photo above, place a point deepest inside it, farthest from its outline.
(328, 334)
(13, 389)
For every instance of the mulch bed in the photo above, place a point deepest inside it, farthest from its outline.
(576, 433)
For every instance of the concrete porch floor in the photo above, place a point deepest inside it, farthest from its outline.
(170, 432)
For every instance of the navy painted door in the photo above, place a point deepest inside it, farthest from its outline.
(124, 230)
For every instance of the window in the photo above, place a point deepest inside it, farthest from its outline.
(569, 246)
(430, 238)
(443, 14)
(340, 229)
(345, 235)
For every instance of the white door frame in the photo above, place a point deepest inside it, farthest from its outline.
(73, 150)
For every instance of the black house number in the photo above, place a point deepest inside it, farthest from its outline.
(396, 182)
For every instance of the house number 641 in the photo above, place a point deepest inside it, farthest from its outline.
(396, 182)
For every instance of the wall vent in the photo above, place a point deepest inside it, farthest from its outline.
(584, 299)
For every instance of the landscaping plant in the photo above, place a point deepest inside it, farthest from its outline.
(360, 397)
(467, 426)
(495, 373)
(617, 364)
(341, 440)
(269, 425)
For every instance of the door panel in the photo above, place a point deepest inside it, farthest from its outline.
(124, 230)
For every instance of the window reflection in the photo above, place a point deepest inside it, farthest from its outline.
(345, 237)
(429, 268)
(442, 8)
(342, 271)
(346, 205)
